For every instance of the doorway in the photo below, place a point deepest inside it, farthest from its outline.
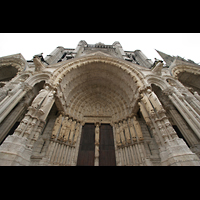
(87, 146)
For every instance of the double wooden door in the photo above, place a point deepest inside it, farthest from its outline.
(87, 146)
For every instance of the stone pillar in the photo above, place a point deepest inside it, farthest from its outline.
(186, 111)
(17, 148)
(173, 150)
(193, 101)
(12, 98)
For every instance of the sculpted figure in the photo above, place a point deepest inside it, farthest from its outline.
(56, 126)
(63, 129)
(133, 135)
(66, 135)
(127, 134)
(117, 135)
(39, 98)
(147, 104)
(137, 128)
(72, 131)
(47, 102)
(121, 131)
(76, 133)
(97, 134)
(154, 100)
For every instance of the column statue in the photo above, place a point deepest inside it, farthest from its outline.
(40, 97)
(138, 128)
(127, 134)
(117, 135)
(56, 126)
(68, 126)
(72, 131)
(76, 133)
(97, 134)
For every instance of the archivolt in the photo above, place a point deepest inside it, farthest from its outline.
(131, 69)
(176, 70)
(151, 79)
(98, 85)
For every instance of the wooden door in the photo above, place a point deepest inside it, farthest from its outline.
(87, 146)
(106, 146)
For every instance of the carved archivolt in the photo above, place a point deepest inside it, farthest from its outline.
(98, 85)
(185, 68)
(17, 61)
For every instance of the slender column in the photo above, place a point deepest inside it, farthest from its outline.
(184, 112)
(193, 101)
(11, 100)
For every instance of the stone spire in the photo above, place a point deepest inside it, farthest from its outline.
(167, 58)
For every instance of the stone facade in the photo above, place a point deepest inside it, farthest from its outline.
(153, 108)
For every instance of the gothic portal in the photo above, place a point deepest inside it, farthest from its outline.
(98, 105)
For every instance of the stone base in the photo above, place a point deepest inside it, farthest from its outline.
(14, 151)
(177, 153)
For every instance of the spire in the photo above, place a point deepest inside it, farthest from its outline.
(167, 58)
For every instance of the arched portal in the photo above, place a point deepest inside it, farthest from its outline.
(97, 94)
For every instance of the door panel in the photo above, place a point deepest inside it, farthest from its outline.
(87, 146)
(106, 146)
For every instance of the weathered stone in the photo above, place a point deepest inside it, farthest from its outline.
(45, 102)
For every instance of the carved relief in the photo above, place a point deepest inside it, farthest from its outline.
(137, 128)
(133, 135)
(76, 133)
(67, 131)
(117, 135)
(56, 127)
(121, 132)
(63, 129)
(40, 97)
(126, 130)
(72, 131)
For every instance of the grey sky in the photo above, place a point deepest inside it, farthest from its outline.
(186, 45)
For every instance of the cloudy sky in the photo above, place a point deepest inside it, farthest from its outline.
(186, 45)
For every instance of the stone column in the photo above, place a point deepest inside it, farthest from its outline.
(193, 101)
(188, 114)
(173, 150)
(17, 148)
(12, 98)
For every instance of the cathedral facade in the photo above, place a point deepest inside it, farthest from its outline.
(99, 105)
